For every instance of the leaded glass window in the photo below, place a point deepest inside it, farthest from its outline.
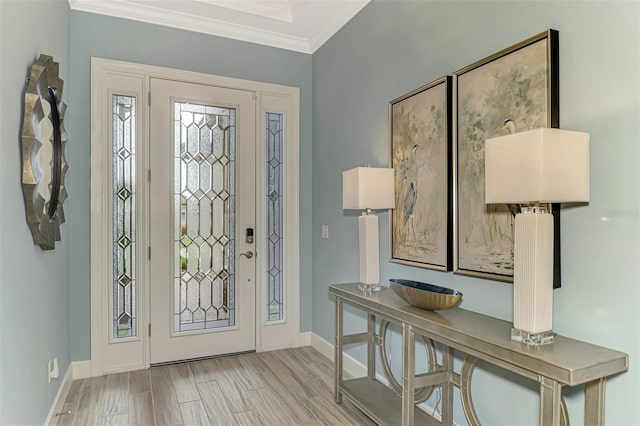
(124, 215)
(274, 217)
(204, 194)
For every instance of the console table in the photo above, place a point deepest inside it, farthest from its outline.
(565, 362)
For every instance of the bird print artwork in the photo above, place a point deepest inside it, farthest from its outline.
(419, 149)
(507, 127)
(409, 203)
(499, 97)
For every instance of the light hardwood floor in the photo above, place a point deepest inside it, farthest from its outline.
(287, 387)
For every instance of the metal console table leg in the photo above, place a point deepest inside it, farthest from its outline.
(447, 387)
(371, 346)
(594, 402)
(550, 397)
(408, 373)
(338, 352)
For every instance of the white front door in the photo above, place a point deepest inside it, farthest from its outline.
(202, 210)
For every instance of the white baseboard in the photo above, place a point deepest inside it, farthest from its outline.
(350, 364)
(304, 339)
(301, 339)
(76, 370)
(61, 396)
(268, 348)
(81, 369)
(357, 369)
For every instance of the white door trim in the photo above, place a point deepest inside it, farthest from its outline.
(270, 97)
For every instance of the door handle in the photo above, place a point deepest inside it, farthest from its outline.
(248, 254)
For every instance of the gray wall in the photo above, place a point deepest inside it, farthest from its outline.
(34, 285)
(392, 47)
(112, 38)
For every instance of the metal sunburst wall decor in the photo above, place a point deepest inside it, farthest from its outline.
(43, 162)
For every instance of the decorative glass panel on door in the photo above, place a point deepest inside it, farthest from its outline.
(204, 217)
(274, 217)
(124, 215)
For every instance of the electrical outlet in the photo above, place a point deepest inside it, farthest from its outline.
(325, 232)
(53, 370)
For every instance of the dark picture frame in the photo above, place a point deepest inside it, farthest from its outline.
(420, 153)
(513, 90)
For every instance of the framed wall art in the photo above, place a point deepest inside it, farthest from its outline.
(419, 134)
(513, 90)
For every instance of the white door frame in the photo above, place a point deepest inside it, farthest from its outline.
(107, 77)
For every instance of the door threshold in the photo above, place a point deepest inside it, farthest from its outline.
(202, 358)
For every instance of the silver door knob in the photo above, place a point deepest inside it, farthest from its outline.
(248, 254)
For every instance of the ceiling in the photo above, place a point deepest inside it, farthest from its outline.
(298, 25)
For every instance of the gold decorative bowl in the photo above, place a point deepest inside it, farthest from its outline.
(425, 296)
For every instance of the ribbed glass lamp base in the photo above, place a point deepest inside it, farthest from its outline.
(533, 339)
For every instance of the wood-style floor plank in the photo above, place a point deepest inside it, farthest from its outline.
(141, 409)
(281, 388)
(234, 395)
(252, 362)
(249, 418)
(286, 375)
(288, 397)
(139, 381)
(117, 420)
(165, 401)
(116, 395)
(204, 371)
(352, 412)
(194, 414)
(215, 404)
(299, 368)
(184, 383)
(246, 378)
(269, 407)
(74, 392)
(67, 419)
(324, 413)
(321, 379)
(90, 404)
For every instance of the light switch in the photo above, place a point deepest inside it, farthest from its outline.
(325, 232)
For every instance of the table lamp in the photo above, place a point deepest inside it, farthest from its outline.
(533, 169)
(368, 189)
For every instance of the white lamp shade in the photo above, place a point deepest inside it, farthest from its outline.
(368, 188)
(541, 165)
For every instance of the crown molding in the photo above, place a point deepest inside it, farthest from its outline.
(348, 11)
(154, 15)
(281, 10)
(341, 13)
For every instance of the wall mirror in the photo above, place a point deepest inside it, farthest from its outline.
(43, 161)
